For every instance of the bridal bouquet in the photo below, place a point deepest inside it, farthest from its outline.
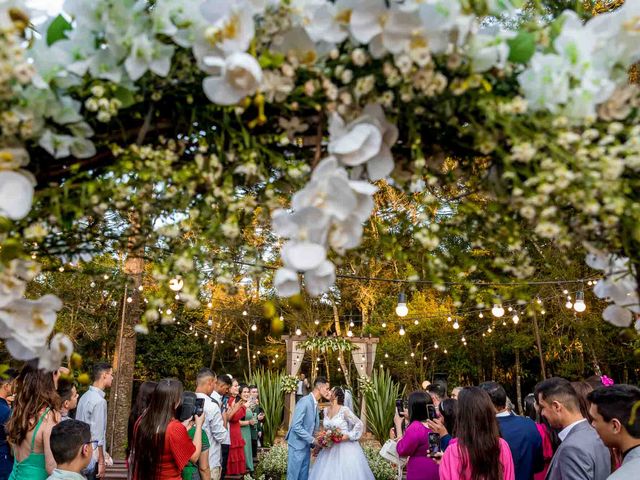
(327, 438)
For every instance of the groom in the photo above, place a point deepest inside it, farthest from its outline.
(300, 437)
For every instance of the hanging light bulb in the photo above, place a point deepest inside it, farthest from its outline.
(351, 324)
(401, 309)
(413, 354)
(209, 305)
(61, 269)
(416, 322)
(543, 312)
(445, 351)
(569, 305)
(515, 318)
(464, 340)
(177, 297)
(105, 276)
(401, 331)
(497, 310)
(565, 291)
(140, 288)
(384, 325)
(210, 321)
(449, 319)
(579, 305)
(481, 315)
(489, 330)
(386, 355)
(435, 345)
(538, 301)
(298, 332)
(316, 321)
(510, 309)
(456, 325)
(349, 333)
(254, 327)
(244, 313)
(129, 299)
(93, 284)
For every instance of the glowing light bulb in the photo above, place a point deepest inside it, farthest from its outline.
(579, 305)
(445, 351)
(209, 305)
(497, 310)
(401, 331)
(543, 312)
(510, 309)
(93, 284)
(105, 276)
(129, 299)
(210, 322)
(448, 319)
(456, 325)
(481, 315)
(244, 313)
(489, 330)
(351, 324)
(298, 332)
(401, 309)
(515, 318)
(386, 355)
(435, 345)
(416, 322)
(140, 288)
(349, 333)
(254, 327)
(176, 284)
(317, 322)
(384, 324)
(569, 305)
(565, 291)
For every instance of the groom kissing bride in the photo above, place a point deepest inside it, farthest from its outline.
(345, 458)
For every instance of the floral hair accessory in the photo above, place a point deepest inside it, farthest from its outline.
(606, 381)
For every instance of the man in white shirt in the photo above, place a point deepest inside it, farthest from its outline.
(581, 455)
(213, 425)
(221, 388)
(92, 409)
(303, 387)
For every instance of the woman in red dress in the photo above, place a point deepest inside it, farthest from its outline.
(236, 465)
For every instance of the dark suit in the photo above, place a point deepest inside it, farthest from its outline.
(581, 456)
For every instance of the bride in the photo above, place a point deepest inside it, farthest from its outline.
(344, 460)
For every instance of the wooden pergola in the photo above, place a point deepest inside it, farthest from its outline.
(364, 356)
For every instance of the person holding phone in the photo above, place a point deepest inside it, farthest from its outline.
(418, 440)
(247, 423)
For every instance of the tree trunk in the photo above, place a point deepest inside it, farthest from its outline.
(249, 356)
(518, 385)
(343, 364)
(536, 330)
(123, 362)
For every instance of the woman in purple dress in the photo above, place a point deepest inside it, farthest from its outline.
(415, 441)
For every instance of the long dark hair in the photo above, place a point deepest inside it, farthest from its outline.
(241, 387)
(530, 411)
(142, 402)
(148, 442)
(35, 391)
(478, 435)
(583, 389)
(447, 409)
(417, 406)
(339, 393)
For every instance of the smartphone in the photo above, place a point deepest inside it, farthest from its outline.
(431, 412)
(400, 407)
(434, 444)
(199, 410)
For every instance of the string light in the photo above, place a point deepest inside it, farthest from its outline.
(209, 305)
(129, 299)
(210, 322)
(61, 269)
(93, 284)
(449, 319)
(401, 331)
(316, 321)
(244, 313)
(386, 355)
(105, 276)
(349, 333)
(401, 309)
(176, 284)
(510, 309)
(169, 311)
(351, 324)
(140, 288)
(177, 297)
(254, 327)
(497, 310)
(384, 325)
(445, 351)
(579, 305)
(413, 354)
(298, 332)
(515, 318)
(416, 322)
(569, 305)
(489, 330)
(481, 315)
(435, 345)
(565, 291)
(456, 325)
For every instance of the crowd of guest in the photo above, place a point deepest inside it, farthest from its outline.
(48, 431)
(569, 431)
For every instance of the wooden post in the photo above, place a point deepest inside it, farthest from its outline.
(536, 331)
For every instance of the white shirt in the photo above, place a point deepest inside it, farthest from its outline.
(300, 383)
(315, 402)
(214, 428)
(218, 398)
(92, 409)
(505, 413)
(565, 431)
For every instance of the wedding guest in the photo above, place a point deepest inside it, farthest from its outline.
(438, 392)
(583, 389)
(161, 444)
(72, 448)
(68, 397)
(6, 394)
(223, 383)
(455, 392)
(256, 430)
(213, 424)
(236, 464)
(92, 409)
(520, 433)
(302, 387)
(139, 406)
(246, 423)
(477, 452)
(35, 413)
(581, 455)
(550, 440)
(198, 470)
(612, 410)
(415, 441)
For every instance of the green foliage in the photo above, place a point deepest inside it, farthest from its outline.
(522, 47)
(381, 401)
(326, 344)
(381, 468)
(288, 383)
(57, 29)
(272, 401)
(272, 464)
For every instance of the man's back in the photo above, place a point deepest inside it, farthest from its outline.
(525, 444)
(581, 456)
(92, 409)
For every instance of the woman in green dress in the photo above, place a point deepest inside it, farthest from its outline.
(29, 428)
(245, 426)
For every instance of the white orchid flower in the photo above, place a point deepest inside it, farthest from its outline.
(440, 19)
(148, 54)
(320, 279)
(286, 282)
(489, 50)
(26, 325)
(16, 194)
(545, 83)
(329, 22)
(302, 255)
(239, 75)
(60, 347)
(232, 26)
(328, 191)
(14, 278)
(368, 139)
(618, 316)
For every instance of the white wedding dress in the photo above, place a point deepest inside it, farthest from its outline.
(344, 460)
